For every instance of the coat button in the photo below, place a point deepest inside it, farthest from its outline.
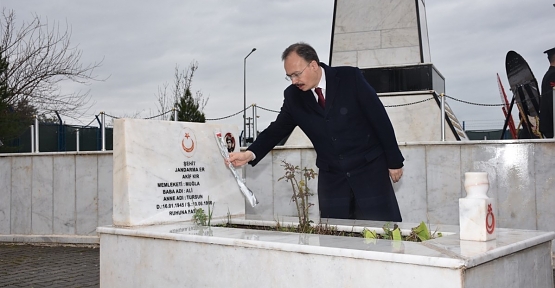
(333, 138)
(340, 157)
(348, 174)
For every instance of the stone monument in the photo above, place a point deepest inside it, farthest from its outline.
(388, 41)
(165, 170)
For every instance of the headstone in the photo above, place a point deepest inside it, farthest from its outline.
(477, 210)
(164, 170)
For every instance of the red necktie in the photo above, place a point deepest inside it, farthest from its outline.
(321, 99)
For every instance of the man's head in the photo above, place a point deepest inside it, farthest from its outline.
(550, 55)
(302, 66)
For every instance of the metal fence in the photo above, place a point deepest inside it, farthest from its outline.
(59, 138)
(52, 137)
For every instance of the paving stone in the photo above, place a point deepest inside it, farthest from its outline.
(49, 266)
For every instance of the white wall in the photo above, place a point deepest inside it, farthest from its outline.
(55, 197)
(520, 175)
(63, 197)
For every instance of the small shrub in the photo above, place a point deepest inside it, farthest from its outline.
(301, 192)
(200, 217)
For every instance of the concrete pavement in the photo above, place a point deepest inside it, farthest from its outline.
(23, 265)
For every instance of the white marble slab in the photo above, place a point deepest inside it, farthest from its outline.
(442, 166)
(382, 33)
(86, 194)
(5, 195)
(388, 56)
(345, 59)
(21, 193)
(364, 15)
(411, 191)
(309, 259)
(442, 252)
(261, 183)
(285, 207)
(408, 123)
(510, 173)
(404, 37)
(64, 195)
(41, 201)
(105, 184)
(357, 41)
(544, 183)
(163, 170)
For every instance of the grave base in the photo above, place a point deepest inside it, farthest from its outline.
(185, 255)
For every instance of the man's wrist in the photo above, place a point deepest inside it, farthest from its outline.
(253, 156)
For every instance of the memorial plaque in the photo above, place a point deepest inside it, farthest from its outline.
(165, 170)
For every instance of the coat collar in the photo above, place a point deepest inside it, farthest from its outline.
(332, 82)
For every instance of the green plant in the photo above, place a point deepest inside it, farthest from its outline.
(200, 217)
(301, 192)
(210, 210)
(419, 233)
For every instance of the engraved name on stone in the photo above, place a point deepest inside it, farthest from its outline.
(182, 194)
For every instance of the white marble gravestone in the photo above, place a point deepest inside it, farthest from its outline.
(163, 170)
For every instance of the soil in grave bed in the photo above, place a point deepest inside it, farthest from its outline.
(323, 230)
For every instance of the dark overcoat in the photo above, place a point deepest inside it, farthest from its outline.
(354, 142)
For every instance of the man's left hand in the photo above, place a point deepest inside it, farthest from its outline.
(396, 174)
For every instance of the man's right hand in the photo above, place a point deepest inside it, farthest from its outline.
(239, 159)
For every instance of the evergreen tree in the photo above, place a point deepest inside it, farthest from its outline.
(188, 109)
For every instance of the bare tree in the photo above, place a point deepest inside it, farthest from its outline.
(39, 58)
(181, 89)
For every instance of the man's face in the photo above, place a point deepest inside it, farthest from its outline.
(304, 75)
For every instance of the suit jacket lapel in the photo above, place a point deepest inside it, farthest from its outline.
(332, 82)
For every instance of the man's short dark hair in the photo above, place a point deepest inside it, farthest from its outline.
(302, 49)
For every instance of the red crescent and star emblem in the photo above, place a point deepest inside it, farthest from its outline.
(184, 144)
(490, 220)
(188, 142)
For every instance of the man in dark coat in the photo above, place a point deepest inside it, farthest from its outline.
(357, 152)
(546, 104)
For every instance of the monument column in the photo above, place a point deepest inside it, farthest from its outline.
(377, 33)
(388, 41)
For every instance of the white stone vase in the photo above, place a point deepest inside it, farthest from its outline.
(476, 184)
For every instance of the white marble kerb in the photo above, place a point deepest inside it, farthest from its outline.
(247, 258)
(163, 170)
(442, 252)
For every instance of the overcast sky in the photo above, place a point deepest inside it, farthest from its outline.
(141, 42)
